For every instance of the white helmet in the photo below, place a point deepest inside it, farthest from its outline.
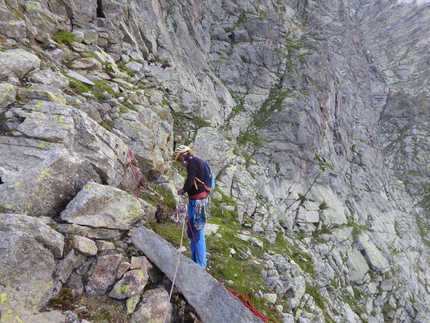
(181, 150)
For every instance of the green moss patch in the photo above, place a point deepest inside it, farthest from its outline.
(64, 37)
(100, 309)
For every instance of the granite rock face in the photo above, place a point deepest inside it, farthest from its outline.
(313, 115)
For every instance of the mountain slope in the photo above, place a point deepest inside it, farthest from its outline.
(313, 116)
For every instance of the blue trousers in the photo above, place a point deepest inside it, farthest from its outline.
(197, 237)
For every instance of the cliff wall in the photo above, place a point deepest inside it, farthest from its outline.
(313, 115)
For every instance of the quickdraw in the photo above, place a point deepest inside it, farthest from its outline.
(181, 211)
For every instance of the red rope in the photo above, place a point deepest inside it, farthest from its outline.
(140, 183)
(246, 300)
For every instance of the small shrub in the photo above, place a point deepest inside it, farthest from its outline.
(322, 163)
(102, 91)
(107, 124)
(64, 300)
(323, 206)
(123, 68)
(78, 86)
(302, 259)
(316, 295)
(64, 37)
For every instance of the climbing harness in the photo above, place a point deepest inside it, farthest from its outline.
(201, 213)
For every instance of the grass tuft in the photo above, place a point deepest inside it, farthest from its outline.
(64, 37)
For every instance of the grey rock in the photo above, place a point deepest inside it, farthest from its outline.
(75, 283)
(84, 245)
(41, 92)
(41, 232)
(135, 67)
(103, 206)
(90, 36)
(52, 317)
(140, 263)
(154, 307)
(104, 245)
(122, 268)
(357, 266)
(92, 233)
(195, 284)
(27, 263)
(78, 35)
(140, 132)
(337, 90)
(66, 265)
(132, 303)
(79, 77)
(103, 273)
(7, 95)
(78, 47)
(17, 63)
(71, 317)
(86, 64)
(62, 122)
(49, 78)
(132, 283)
(91, 110)
(11, 26)
(372, 254)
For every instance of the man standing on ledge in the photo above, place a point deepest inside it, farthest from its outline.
(198, 202)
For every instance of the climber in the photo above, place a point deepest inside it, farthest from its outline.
(198, 202)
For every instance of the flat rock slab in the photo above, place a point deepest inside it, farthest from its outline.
(210, 299)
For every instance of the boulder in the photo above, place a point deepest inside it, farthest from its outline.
(10, 25)
(84, 245)
(357, 266)
(66, 265)
(103, 273)
(27, 264)
(86, 64)
(7, 95)
(49, 78)
(80, 78)
(62, 150)
(43, 168)
(102, 206)
(17, 63)
(154, 307)
(132, 283)
(372, 254)
(148, 135)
